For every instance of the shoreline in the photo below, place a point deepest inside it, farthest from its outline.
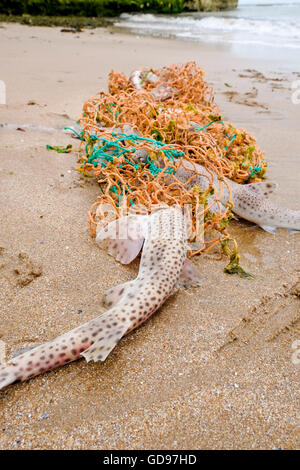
(179, 381)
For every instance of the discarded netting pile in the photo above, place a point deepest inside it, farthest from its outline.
(136, 136)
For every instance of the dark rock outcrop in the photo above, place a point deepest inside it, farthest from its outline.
(210, 5)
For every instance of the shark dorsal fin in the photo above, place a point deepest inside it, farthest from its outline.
(264, 188)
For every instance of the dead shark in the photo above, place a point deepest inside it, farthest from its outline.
(250, 201)
(163, 267)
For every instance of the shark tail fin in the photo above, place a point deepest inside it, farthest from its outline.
(123, 237)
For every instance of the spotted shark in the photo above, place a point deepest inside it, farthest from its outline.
(163, 268)
(252, 202)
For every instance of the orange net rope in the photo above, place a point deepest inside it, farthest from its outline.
(136, 136)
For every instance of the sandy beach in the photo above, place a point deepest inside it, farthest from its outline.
(214, 368)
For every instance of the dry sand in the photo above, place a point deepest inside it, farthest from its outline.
(213, 368)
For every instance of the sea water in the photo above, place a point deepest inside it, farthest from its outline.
(265, 26)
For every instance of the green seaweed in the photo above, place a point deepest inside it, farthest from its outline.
(60, 149)
(233, 266)
(215, 118)
(156, 134)
(249, 152)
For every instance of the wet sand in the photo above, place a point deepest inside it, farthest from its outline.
(213, 368)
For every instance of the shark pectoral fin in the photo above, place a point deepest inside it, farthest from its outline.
(113, 295)
(264, 188)
(189, 276)
(123, 237)
(268, 229)
(105, 343)
(125, 251)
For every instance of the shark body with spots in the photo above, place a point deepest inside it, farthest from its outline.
(252, 202)
(163, 267)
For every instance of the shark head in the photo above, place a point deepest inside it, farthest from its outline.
(254, 202)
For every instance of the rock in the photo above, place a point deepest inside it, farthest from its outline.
(210, 5)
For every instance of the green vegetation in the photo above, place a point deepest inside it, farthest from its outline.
(87, 8)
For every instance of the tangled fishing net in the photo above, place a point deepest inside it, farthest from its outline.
(137, 135)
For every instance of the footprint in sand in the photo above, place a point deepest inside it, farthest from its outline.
(272, 317)
(18, 269)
